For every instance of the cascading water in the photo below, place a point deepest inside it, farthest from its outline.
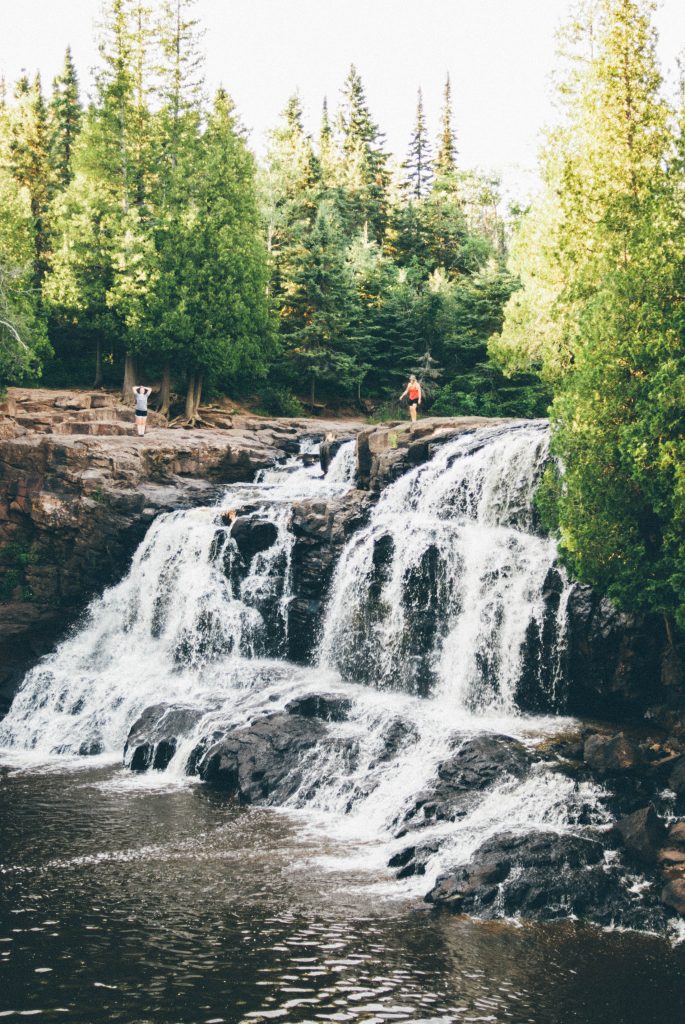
(445, 595)
(173, 629)
(445, 588)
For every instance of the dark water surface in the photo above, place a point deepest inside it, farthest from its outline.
(128, 904)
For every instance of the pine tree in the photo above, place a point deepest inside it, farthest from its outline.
(65, 117)
(446, 157)
(418, 162)
(180, 91)
(23, 336)
(293, 189)
(322, 350)
(220, 301)
(29, 163)
(364, 161)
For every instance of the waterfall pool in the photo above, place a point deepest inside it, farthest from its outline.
(152, 898)
(135, 899)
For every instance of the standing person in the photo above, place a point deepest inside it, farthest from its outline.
(413, 393)
(142, 394)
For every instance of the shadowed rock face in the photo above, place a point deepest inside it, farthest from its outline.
(74, 508)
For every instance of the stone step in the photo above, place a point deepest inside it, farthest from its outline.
(100, 429)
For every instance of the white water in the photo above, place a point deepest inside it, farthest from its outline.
(440, 595)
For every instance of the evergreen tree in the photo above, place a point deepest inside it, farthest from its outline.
(221, 303)
(120, 153)
(29, 163)
(418, 162)
(180, 90)
(366, 175)
(23, 337)
(65, 121)
(322, 351)
(293, 193)
(613, 292)
(446, 157)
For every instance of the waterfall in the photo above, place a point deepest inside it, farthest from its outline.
(443, 609)
(190, 604)
(444, 591)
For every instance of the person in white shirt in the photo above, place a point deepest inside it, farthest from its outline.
(141, 395)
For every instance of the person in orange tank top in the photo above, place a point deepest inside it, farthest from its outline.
(413, 393)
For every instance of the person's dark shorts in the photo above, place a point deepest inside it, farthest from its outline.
(141, 412)
(413, 401)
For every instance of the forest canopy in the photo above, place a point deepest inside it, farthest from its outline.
(140, 235)
(600, 315)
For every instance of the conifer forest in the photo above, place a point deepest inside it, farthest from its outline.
(140, 235)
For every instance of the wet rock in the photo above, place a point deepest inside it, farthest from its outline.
(673, 895)
(387, 451)
(153, 738)
(321, 529)
(252, 535)
(676, 835)
(397, 736)
(609, 755)
(541, 875)
(613, 660)
(477, 764)
(641, 833)
(329, 707)
(330, 447)
(261, 762)
(676, 779)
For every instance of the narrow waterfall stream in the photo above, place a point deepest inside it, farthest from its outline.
(402, 743)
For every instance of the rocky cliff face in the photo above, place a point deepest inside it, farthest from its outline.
(74, 506)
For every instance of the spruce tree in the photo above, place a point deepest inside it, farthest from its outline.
(23, 336)
(446, 157)
(418, 162)
(220, 305)
(29, 161)
(322, 351)
(366, 174)
(65, 117)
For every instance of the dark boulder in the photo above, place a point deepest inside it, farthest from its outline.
(610, 755)
(477, 764)
(260, 762)
(329, 707)
(253, 535)
(673, 895)
(676, 779)
(330, 447)
(542, 875)
(153, 738)
(642, 833)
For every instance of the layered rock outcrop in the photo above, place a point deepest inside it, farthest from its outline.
(74, 506)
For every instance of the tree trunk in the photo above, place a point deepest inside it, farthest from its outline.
(130, 378)
(165, 390)
(312, 393)
(193, 396)
(97, 383)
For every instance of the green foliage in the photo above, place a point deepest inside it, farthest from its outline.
(23, 337)
(603, 268)
(280, 402)
(142, 231)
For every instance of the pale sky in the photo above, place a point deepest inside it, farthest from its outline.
(499, 54)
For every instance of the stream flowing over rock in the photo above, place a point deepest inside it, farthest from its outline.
(384, 641)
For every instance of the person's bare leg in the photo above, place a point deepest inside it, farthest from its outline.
(412, 413)
(143, 425)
